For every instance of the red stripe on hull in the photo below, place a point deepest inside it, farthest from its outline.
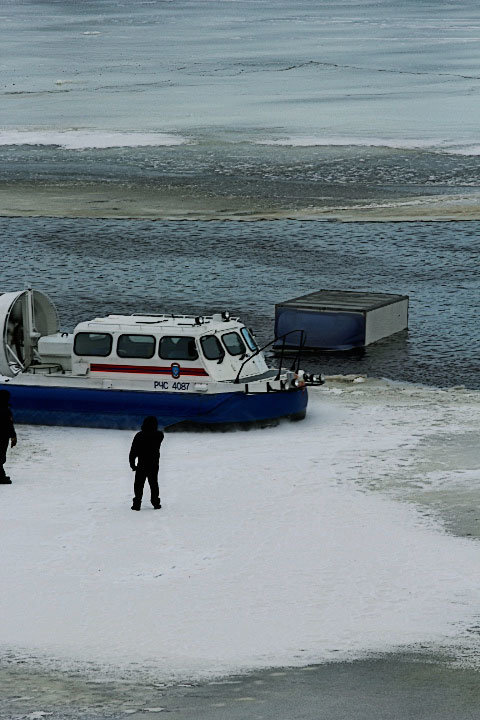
(147, 370)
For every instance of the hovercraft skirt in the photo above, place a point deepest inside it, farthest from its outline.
(126, 409)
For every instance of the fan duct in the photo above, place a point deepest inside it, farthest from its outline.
(25, 316)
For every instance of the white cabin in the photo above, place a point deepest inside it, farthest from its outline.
(206, 349)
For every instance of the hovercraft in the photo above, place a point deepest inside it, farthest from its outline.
(113, 371)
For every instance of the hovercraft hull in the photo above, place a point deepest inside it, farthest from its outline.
(126, 409)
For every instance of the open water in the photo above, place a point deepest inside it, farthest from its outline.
(94, 267)
(389, 688)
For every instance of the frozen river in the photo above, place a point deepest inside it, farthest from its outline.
(217, 109)
(359, 545)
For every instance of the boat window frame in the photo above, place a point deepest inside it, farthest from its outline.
(238, 354)
(89, 354)
(182, 337)
(248, 338)
(137, 357)
(220, 346)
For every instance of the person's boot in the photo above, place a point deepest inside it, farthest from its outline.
(5, 480)
(136, 504)
(156, 506)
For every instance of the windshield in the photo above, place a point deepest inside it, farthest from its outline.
(234, 343)
(248, 337)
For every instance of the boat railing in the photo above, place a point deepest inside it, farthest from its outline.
(296, 360)
(165, 317)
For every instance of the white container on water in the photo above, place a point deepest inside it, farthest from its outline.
(340, 319)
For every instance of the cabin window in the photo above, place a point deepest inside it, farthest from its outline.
(97, 344)
(247, 336)
(178, 348)
(212, 348)
(136, 346)
(234, 343)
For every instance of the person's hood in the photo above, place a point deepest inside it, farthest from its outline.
(150, 424)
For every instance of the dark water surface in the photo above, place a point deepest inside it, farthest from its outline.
(397, 687)
(94, 267)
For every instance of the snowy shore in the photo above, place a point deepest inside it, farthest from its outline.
(274, 547)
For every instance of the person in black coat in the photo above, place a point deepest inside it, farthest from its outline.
(7, 433)
(144, 458)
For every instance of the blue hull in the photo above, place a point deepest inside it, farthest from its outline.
(126, 409)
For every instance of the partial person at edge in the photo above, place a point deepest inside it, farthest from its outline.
(7, 434)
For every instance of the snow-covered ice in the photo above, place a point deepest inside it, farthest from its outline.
(270, 548)
(84, 139)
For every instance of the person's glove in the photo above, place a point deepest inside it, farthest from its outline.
(13, 442)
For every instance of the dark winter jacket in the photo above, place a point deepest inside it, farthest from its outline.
(146, 445)
(7, 429)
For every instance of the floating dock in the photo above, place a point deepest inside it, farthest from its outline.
(339, 319)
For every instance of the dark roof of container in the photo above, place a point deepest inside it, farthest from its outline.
(345, 300)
